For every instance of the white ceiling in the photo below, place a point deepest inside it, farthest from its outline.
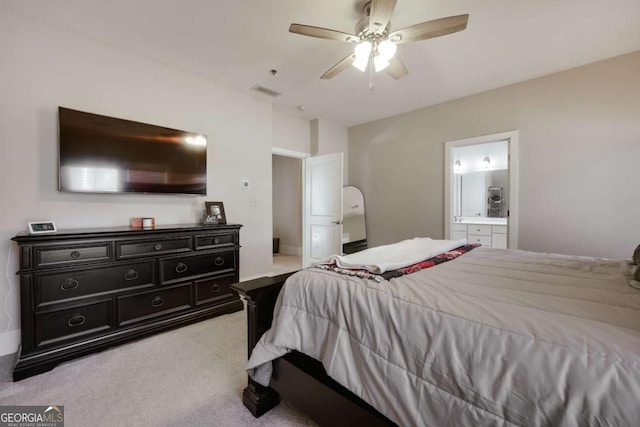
(237, 42)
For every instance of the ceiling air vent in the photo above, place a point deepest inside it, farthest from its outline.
(262, 89)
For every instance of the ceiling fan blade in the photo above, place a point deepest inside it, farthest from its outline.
(396, 68)
(430, 29)
(340, 66)
(322, 33)
(381, 11)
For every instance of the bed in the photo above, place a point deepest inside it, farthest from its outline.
(485, 337)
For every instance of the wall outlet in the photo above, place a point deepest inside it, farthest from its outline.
(246, 184)
(253, 202)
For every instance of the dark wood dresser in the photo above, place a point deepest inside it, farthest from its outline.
(82, 291)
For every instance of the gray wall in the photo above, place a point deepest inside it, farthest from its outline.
(579, 154)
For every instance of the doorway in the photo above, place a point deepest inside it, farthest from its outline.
(319, 182)
(287, 213)
(481, 190)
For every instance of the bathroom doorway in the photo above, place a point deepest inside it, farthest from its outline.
(481, 190)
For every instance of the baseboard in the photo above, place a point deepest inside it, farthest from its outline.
(9, 342)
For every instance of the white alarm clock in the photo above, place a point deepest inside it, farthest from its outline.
(42, 227)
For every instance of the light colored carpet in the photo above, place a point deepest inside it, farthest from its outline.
(191, 376)
(283, 263)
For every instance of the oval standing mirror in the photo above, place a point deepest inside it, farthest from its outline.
(354, 230)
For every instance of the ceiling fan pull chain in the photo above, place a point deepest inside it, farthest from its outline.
(371, 71)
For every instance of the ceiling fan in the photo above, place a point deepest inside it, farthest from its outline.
(375, 44)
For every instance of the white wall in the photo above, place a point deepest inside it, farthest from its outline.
(290, 132)
(579, 154)
(43, 68)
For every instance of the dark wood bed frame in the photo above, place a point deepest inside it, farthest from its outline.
(297, 378)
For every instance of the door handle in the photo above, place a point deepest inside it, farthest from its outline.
(336, 222)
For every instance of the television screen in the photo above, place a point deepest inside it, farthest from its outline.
(100, 154)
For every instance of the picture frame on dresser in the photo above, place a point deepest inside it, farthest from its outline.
(216, 211)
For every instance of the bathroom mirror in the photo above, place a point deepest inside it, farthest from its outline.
(354, 230)
(483, 194)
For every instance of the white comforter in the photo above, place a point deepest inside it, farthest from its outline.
(392, 257)
(494, 337)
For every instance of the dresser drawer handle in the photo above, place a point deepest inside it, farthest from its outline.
(219, 261)
(157, 302)
(131, 275)
(214, 288)
(181, 268)
(76, 320)
(157, 246)
(69, 284)
(75, 254)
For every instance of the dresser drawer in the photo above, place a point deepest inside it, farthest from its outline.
(55, 256)
(481, 230)
(214, 289)
(146, 305)
(499, 241)
(457, 235)
(138, 248)
(499, 229)
(194, 266)
(459, 227)
(72, 323)
(483, 240)
(50, 288)
(210, 241)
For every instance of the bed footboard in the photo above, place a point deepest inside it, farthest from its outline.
(297, 377)
(261, 295)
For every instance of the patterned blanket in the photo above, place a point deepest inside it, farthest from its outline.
(387, 275)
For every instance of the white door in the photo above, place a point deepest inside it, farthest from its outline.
(473, 194)
(322, 208)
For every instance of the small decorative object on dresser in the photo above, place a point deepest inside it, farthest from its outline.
(41, 227)
(214, 213)
(88, 290)
(139, 223)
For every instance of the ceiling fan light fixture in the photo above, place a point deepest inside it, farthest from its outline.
(362, 52)
(375, 43)
(380, 63)
(363, 49)
(386, 50)
(361, 64)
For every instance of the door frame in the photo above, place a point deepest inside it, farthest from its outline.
(296, 155)
(302, 155)
(289, 153)
(512, 137)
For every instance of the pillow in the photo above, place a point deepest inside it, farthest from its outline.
(636, 256)
(635, 277)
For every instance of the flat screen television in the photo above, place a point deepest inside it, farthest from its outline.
(100, 154)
